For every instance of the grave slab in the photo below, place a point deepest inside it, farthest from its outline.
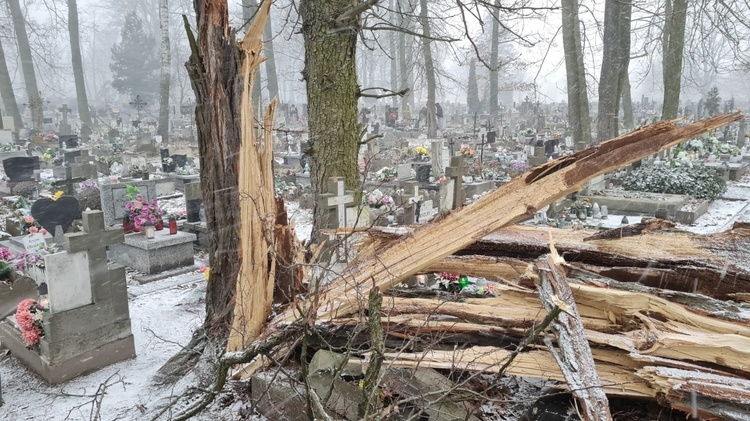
(81, 333)
(163, 252)
(114, 198)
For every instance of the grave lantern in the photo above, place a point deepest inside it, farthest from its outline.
(149, 230)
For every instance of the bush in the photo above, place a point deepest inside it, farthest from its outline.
(25, 189)
(89, 198)
(695, 181)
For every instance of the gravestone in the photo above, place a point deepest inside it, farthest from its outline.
(20, 168)
(51, 213)
(85, 167)
(114, 197)
(6, 136)
(336, 201)
(423, 173)
(412, 201)
(68, 141)
(64, 125)
(166, 167)
(446, 194)
(193, 201)
(436, 154)
(88, 325)
(69, 157)
(425, 212)
(403, 172)
(456, 173)
(179, 160)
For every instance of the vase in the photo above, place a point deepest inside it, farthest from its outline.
(159, 224)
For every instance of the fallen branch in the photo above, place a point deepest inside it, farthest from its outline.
(574, 356)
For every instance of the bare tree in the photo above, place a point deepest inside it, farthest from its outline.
(494, 64)
(6, 91)
(27, 64)
(615, 59)
(166, 72)
(429, 69)
(578, 101)
(75, 50)
(673, 42)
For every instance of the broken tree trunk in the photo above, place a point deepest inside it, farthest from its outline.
(255, 280)
(715, 265)
(504, 206)
(573, 354)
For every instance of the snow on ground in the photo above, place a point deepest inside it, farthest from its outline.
(163, 320)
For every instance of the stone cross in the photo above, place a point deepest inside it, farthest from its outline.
(68, 185)
(65, 110)
(94, 239)
(336, 200)
(412, 203)
(456, 172)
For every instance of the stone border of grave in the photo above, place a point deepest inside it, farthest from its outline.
(688, 216)
(640, 205)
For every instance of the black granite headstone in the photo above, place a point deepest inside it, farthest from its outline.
(20, 168)
(69, 157)
(491, 137)
(423, 173)
(69, 141)
(179, 160)
(164, 153)
(50, 213)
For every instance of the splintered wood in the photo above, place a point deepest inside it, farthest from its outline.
(631, 325)
(255, 280)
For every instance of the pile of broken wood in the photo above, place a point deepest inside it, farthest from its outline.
(642, 312)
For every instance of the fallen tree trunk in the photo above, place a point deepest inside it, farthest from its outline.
(511, 203)
(715, 265)
(573, 354)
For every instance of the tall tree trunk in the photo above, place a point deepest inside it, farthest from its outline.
(429, 69)
(627, 103)
(673, 42)
(405, 70)
(615, 59)
(472, 90)
(75, 50)
(330, 74)
(494, 62)
(578, 100)
(272, 80)
(214, 73)
(27, 64)
(392, 54)
(249, 8)
(163, 129)
(6, 92)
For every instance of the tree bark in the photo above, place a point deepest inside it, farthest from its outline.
(615, 59)
(573, 354)
(673, 43)
(27, 64)
(405, 69)
(163, 129)
(330, 73)
(6, 92)
(494, 63)
(392, 53)
(214, 73)
(429, 69)
(627, 103)
(75, 50)
(578, 101)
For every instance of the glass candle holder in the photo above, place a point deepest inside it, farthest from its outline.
(150, 230)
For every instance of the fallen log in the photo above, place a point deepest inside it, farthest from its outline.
(511, 203)
(715, 265)
(573, 354)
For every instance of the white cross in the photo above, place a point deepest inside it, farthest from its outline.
(338, 198)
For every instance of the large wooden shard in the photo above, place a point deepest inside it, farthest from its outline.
(255, 280)
(573, 354)
(509, 204)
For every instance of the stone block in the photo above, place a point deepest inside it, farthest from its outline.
(163, 252)
(279, 397)
(478, 188)
(165, 187)
(114, 198)
(181, 180)
(200, 230)
(339, 396)
(75, 290)
(59, 371)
